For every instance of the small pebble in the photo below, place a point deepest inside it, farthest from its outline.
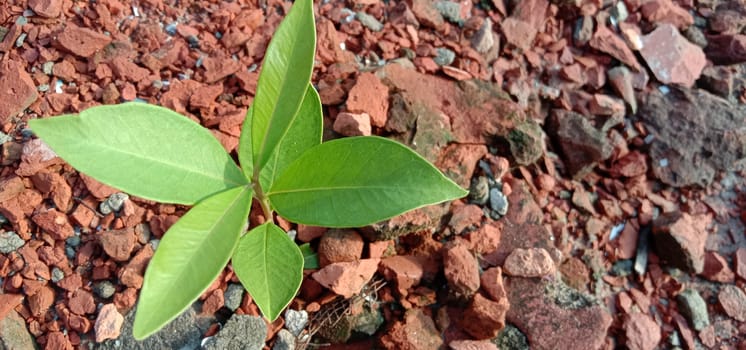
(69, 252)
(113, 204)
(171, 28)
(144, 233)
(47, 67)
(449, 10)
(233, 296)
(43, 88)
(619, 12)
(57, 275)
(622, 268)
(696, 36)
(73, 241)
(284, 341)
(498, 201)
(480, 190)
(369, 21)
(444, 57)
(3, 219)
(104, 289)
(21, 39)
(193, 41)
(10, 242)
(295, 321)
(694, 308)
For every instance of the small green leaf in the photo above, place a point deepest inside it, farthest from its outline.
(310, 258)
(357, 181)
(304, 132)
(270, 266)
(145, 150)
(189, 257)
(283, 80)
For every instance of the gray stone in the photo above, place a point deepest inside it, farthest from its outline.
(73, 241)
(57, 274)
(369, 21)
(526, 142)
(70, 252)
(498, 201)
(143, 231)
(693, 307)
(696, 135)
(431, 133)
(240, 332)
(113, 203)
(479, 192)
(14, 334)
(47, 67)
(511, 338)
(183, 333)
(10, 242)
(444, 57)
(296, 321)
(583, 145)
(450, 11)
(284, 341)
(583, 30)
(104, 289)
(619, 12)
(696, 36)
(233, 296)
(4, 138)
(483, 40)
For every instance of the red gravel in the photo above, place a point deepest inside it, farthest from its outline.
(551, 112)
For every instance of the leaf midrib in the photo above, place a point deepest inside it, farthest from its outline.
(273, 118)
(174, 165)
(340, 188)
(219, 220)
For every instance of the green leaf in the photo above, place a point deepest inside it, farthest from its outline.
(357, 181)
(310, 258)
(305, 131)
(145, 150)
(189, 257)
(245, 157)
(283, 80)
(270, 266)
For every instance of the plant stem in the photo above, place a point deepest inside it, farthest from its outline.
(263, 199)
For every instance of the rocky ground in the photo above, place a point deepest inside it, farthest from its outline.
(603, 143)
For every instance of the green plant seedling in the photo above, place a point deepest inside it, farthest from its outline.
(157, 154)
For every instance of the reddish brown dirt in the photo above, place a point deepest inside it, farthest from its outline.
(541, 97)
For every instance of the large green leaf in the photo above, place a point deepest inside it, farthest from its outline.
(145, 150)
(357, 181)
(270, 266)
(305, 131)
(283, 80)
(189, 257)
